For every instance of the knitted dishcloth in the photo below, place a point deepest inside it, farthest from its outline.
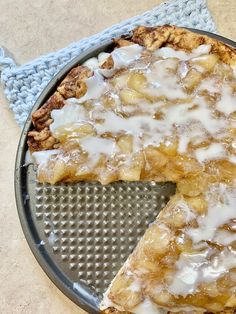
(23, 84)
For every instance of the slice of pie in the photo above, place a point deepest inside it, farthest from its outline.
(185, 262)
(161, 106)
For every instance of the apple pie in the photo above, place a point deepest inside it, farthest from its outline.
(160, 107)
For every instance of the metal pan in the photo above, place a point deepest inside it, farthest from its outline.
(82, 233)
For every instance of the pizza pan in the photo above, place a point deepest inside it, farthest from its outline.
(81, 233)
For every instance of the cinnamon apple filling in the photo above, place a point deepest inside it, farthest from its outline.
(165, 115)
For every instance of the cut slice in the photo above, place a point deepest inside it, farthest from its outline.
(185, 262)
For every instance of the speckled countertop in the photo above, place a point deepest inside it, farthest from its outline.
(29, 29)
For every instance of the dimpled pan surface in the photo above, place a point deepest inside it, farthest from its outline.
(81, 233)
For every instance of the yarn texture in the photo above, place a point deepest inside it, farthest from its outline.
(23, 84)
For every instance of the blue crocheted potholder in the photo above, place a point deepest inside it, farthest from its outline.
(23, 84)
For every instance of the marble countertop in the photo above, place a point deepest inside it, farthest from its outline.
(24, 288)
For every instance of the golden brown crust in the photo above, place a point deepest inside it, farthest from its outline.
(122, 42)
(180, 38)
(108, 63)
(41, 117)
(41, 140)
(72, 86)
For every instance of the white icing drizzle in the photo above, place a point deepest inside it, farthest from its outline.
(183, 69)
(91, 63)
(148, 307)
(195, 268)
(135, 286)
(225, 208)
(166, 52)
(96, 146)
(183, 143)
(183, 207)
(181, 115)
(186, 276)
(234, 70)
(162, 82)
(102, 57)
(208, 264)
(224, 237)
(124, 56)
(69, 114)
(200, 50)
(232, 159)
(94, 63)
(227, 103)
(96, 86)
(210, 85)
(213, 151)
(134, 125)
(106, 72)
(42, 157)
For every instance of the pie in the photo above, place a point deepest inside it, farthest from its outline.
(160, 107)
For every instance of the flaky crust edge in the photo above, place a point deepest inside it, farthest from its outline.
(180, 38)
